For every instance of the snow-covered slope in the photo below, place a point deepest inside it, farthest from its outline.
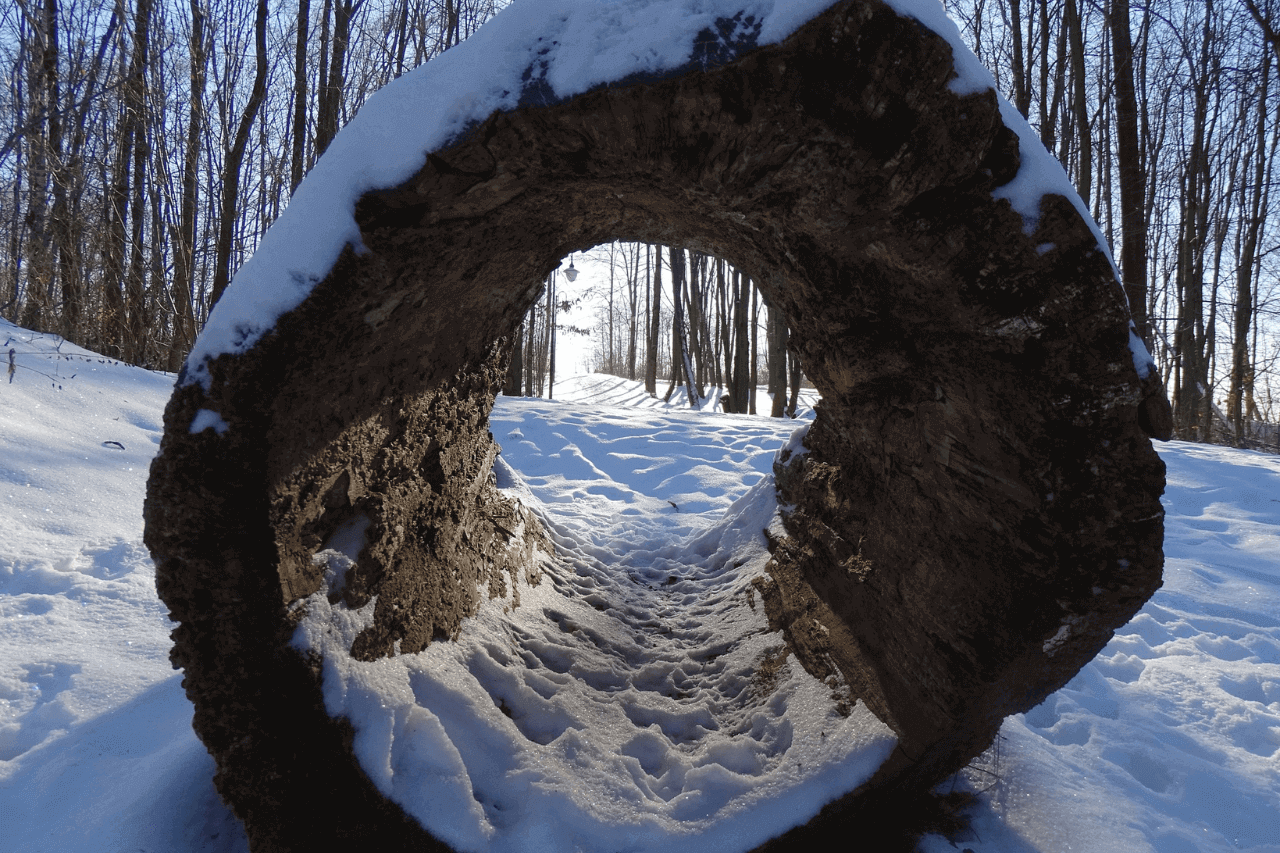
(1169, 741)
(96, 747)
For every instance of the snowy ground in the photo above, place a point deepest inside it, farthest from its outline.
(1169, 741)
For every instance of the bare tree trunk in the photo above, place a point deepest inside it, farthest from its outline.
(1080, 103)
(134, 343)
(655, 327)
(1046, 121)
(37, 310)
(231, 174)
(633, 307)
(529, 355)
(742, 387)
(184, 324)
(1241, 368)
(793, 402)
(515, 368)
(331, 94)
(322, 82)
(451, 24)
(1190, 341)
(298, 162)
(1133, 217)
(682, 369)
(1021, 91)
(755, 348)
(777, 333)
(551, 336)
(114, 335)
(61, 231)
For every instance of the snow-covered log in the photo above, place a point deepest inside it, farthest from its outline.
(976, 507)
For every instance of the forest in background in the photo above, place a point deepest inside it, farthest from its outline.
(145, 147)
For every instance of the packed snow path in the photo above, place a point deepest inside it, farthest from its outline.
(635, 697)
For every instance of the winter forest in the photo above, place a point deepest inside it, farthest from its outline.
(610, 609)
(145, 148)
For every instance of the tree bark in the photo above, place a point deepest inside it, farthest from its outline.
(184, 326)
(515, 368)
(235, 157)
(1190, 340)
(1133, 218)
(1241, 367)
(655, 326)
(677, 320)
(1080, 103)
(777, 334)
(298, 160)
(136, 329)
(43, 145)
(741, 368)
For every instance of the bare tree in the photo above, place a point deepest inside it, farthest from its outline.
(235, 158)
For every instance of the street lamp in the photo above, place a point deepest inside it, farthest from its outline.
(571, 273)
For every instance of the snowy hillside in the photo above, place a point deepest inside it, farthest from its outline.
(1169, 741)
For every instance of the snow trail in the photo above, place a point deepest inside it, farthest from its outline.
(636, 698)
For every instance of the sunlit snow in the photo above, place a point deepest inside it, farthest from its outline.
(1169, 741)
(628, 700)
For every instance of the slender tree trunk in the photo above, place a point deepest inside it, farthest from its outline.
(322, 82)
(515, 369)
(530, 354)
(451, 23)
(1021, 91)
(551, 336)
(793, 402)
(114, 335)
(1190, 341)
(69, 199)
(633, 306)
(742, 387)
(134, 344)
(655, 327)
(235, 157)
(1241, 368)
(37, 310)
(298, 160)
(184, 327)
(755, 348)
(1133, 216)
(677, 322)
(1080, 102)
(61, 230)
(777, 333)
(331, 95)
(1046, 121)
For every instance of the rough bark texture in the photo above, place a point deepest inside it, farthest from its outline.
(979, 505)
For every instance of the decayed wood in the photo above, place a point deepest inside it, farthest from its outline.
(979, 505)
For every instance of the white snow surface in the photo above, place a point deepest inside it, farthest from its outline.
(1168, 741)
(572, 46)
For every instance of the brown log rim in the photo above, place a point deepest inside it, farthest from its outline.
(979, 507)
